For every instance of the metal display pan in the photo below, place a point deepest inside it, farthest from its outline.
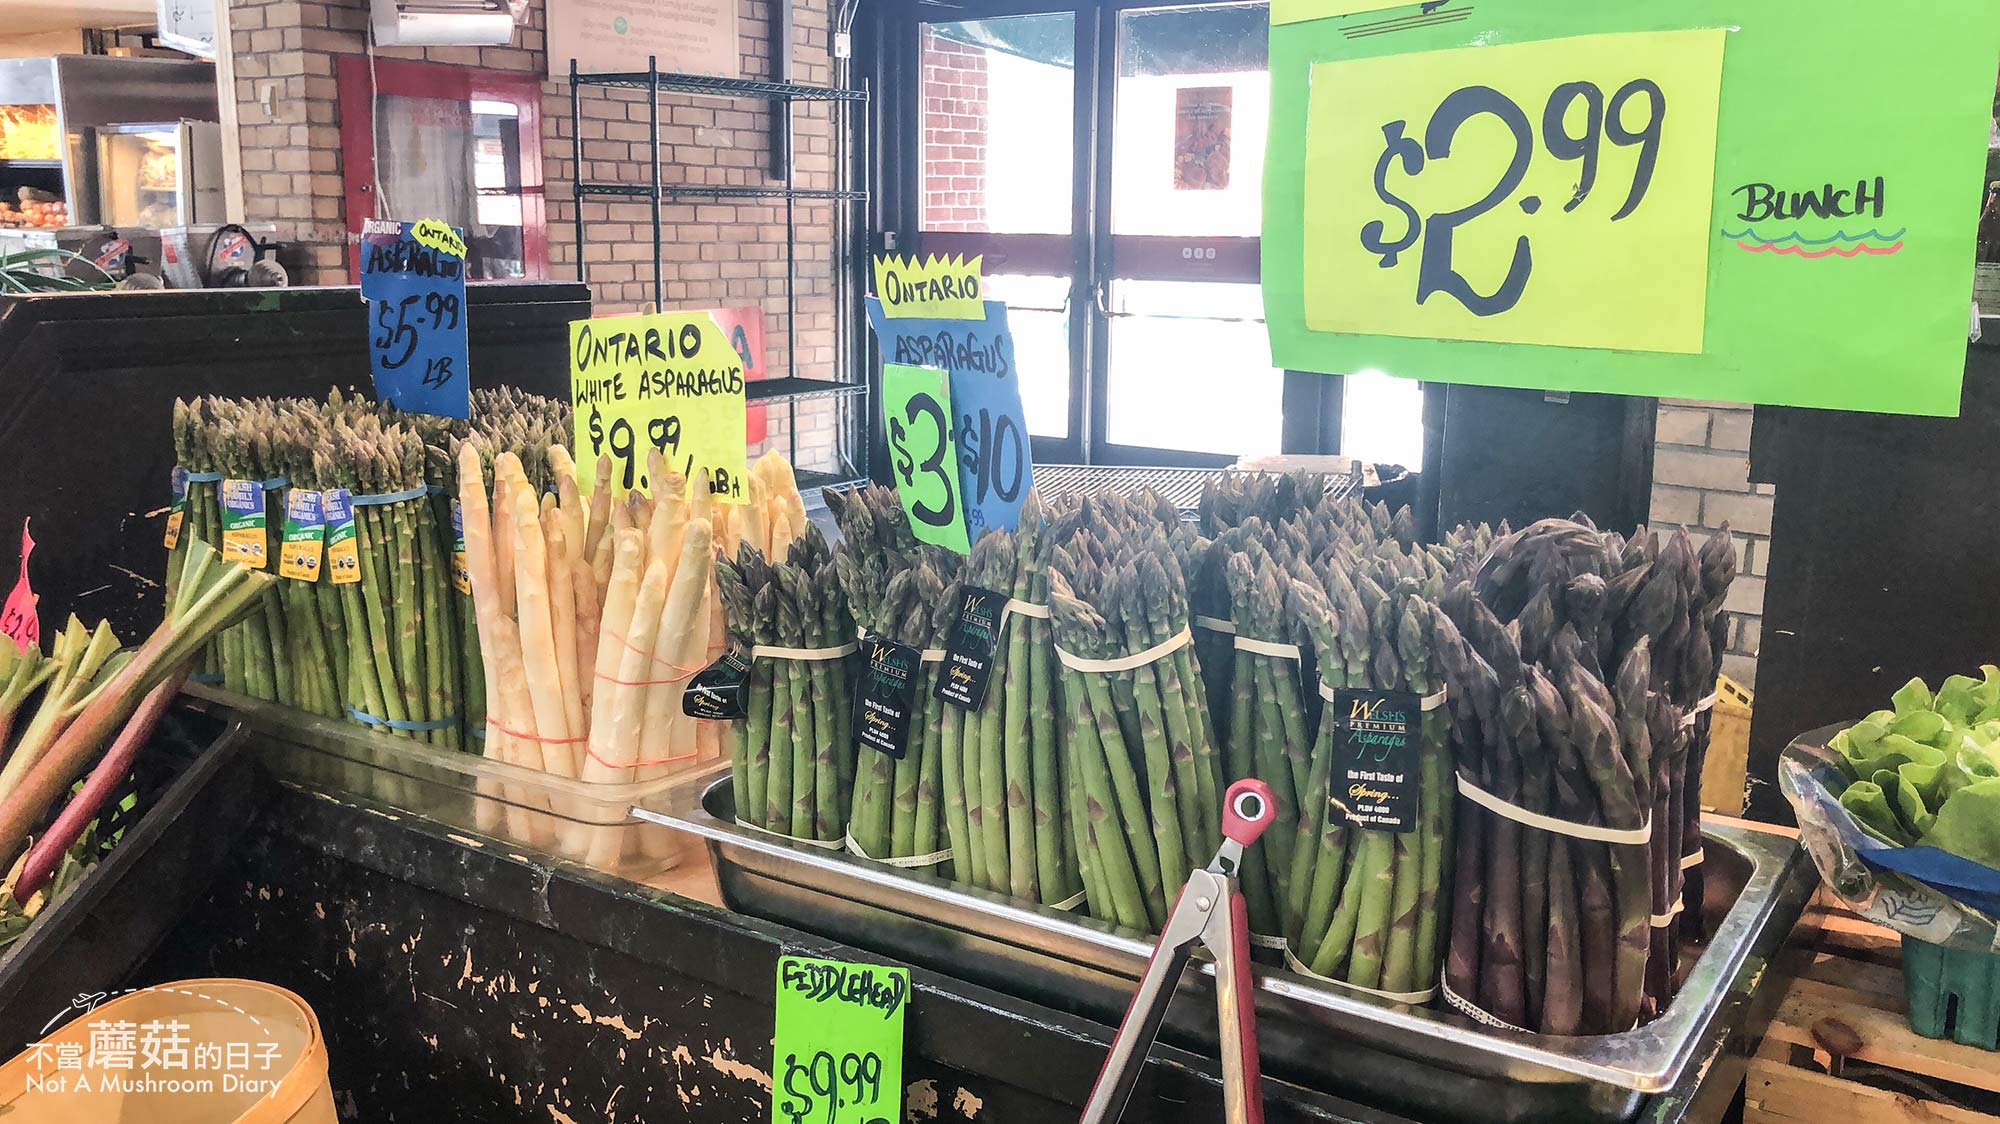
(1431, 1064)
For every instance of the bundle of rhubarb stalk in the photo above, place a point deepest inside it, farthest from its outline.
(89, 707)
(1582, 663)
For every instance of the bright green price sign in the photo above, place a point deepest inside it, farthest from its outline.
(923, 457)
(837, 1055)
(1769, 203)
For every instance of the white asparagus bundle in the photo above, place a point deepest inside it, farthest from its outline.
(595, 609)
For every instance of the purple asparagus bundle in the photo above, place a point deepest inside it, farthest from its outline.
(1579, 662)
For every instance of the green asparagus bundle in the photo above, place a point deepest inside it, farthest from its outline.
(1147, 779)
(793, 760)
(380, 628)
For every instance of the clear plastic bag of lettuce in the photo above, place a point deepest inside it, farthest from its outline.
(1901, 811)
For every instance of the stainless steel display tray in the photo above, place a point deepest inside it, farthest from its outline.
(1431, 1064)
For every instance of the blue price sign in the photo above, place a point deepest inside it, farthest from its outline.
(995, 468)
(413, 278)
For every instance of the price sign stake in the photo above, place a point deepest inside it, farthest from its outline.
(916, 414)
(666, 380)
(837, 1054)
(413, 276)
(1527, 193)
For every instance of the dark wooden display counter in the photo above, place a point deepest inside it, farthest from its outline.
(462, 981)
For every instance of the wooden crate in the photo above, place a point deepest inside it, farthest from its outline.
(1838, 1050)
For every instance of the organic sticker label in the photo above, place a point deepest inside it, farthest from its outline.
(343, 554)
(461, 574)
(177, 510)
(1374, 780)
(716, 691)
(968, 647)
(243, 523)
(887, 695)
(304, 537)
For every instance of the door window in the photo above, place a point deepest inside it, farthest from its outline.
(424, 140)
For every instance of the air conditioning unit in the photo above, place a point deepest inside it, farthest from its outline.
(443, 23)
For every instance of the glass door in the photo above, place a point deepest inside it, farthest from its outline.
(995, 177)
(1183, 365)
(1107, 158)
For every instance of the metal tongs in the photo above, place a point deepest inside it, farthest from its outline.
(1209, 912)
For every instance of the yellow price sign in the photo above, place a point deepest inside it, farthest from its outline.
(936, 287)
(1554, 192)
(668, 381)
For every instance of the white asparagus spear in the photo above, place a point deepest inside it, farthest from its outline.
(613, 754)
(538, 654)
(683, 642)
(600, 502)
(477, 522)
(505, 467)
(601, 561)
(507, 704)
(614, 621)
(623, 701)
(583, 585)
(562, 618)
(576, 515)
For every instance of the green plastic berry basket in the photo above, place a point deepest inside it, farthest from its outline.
(1953, 993)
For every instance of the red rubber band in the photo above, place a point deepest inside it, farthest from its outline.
(685, 672)
(639, 764)
(490, 721)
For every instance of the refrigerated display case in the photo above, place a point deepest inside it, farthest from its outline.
(159, 175)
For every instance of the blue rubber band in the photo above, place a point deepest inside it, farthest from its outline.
(208, 677)
(400, 724)
(437, 489)
(479, 733)
(276, 482)
(204, 477)
(415, 493)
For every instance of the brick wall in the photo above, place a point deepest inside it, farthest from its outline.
(1701, 480)
(715, 253)
(954, 125)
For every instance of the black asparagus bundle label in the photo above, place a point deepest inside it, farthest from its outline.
(1374, 780)
(969, 646)
(887, 695)
(716, 691)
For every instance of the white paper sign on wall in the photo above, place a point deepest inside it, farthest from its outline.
(687, 36)
(188, 25)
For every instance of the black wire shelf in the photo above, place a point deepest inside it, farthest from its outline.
(721, 87)
(793, 387)
(714, 191)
